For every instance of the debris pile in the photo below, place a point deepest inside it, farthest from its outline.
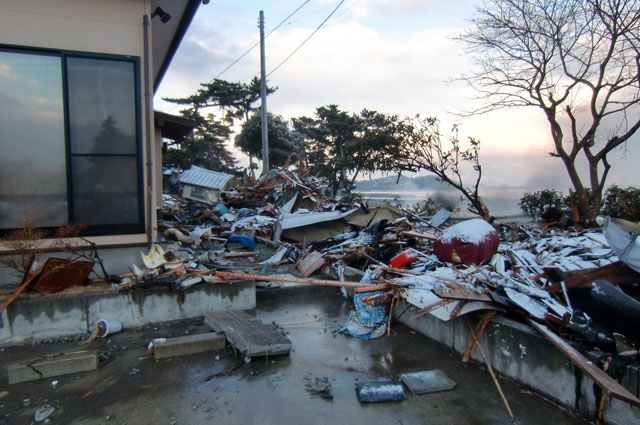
(580, 284)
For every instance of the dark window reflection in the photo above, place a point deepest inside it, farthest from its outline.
(105, 190)
(101, 106)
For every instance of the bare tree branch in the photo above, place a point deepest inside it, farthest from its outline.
(576, 60)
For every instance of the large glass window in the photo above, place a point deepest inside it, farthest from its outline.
(70, 141)
(33, 176)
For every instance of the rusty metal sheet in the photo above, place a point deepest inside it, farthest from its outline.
(600, 377)
(59, 274)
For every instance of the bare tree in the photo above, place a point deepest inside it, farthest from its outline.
(576, 60)
(426, 148)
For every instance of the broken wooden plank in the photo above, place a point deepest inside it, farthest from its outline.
(250, 336)
(493, 375)
(599, 377)
(310, 263)
(616, 272)
(420, 235)
(461, 294)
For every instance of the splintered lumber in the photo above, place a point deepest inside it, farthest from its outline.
(380, 299)
(310, 263)
(401, 271)
(275, 278)
(493, 375)
(462, 294)
(610, 271)
(371, 288)
(420, 235)
(599, 377)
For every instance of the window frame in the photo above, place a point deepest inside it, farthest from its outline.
(137, 227)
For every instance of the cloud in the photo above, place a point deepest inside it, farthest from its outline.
(5, 70)
(365, 58)
(390, 8)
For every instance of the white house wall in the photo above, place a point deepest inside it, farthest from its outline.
(97, 26)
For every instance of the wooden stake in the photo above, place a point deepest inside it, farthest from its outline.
(21, 288)
(603, 397)
(393, 302)
(493, 375)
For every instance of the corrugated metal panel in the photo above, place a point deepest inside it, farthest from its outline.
(290, 221)
(205, 178)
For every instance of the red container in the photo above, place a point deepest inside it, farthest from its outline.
(404, 258)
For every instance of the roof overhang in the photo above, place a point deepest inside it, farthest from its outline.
(166, 36)
(173, 127)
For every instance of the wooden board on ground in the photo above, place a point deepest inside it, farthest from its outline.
(249, 335)
(461, 294)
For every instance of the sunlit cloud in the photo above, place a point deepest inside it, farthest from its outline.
(364, 57)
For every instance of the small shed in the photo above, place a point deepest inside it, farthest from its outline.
(203, 185)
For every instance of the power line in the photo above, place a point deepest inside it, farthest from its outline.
(252, 47)
(307, 39)
(268, 34)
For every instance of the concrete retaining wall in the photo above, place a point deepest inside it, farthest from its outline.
(26, 321)
(521, 354)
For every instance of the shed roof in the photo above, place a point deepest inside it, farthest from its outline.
(198, 176)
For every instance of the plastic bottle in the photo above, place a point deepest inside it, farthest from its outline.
(404, 258)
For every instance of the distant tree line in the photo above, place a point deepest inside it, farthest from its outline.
(335, 144)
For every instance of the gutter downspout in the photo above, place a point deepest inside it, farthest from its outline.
(148, 130)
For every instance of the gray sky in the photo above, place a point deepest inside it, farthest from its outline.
(386, 55)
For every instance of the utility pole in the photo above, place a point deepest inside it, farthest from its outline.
(263, 96)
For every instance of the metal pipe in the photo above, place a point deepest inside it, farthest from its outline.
(148, 129)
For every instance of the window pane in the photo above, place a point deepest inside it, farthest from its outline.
(32, 163)
(105, 190)
(102, 110)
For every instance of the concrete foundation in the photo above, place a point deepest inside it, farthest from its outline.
(519, 353)
(32, 320)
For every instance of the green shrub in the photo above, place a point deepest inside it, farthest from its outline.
(622, 203)
(536, 203)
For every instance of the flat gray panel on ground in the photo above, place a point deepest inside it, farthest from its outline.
(248, 334)
(429, 381)
(380, 391)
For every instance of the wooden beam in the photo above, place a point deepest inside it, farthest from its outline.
(601, 379)
(276, 278)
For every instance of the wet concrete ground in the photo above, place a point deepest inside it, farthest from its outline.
(219, 388)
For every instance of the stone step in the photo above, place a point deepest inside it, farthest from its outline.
(53, 365)
(250, 336)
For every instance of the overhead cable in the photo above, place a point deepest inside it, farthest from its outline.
(307, 39)
(258, 43)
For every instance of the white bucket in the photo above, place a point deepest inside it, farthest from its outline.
(110, 326)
